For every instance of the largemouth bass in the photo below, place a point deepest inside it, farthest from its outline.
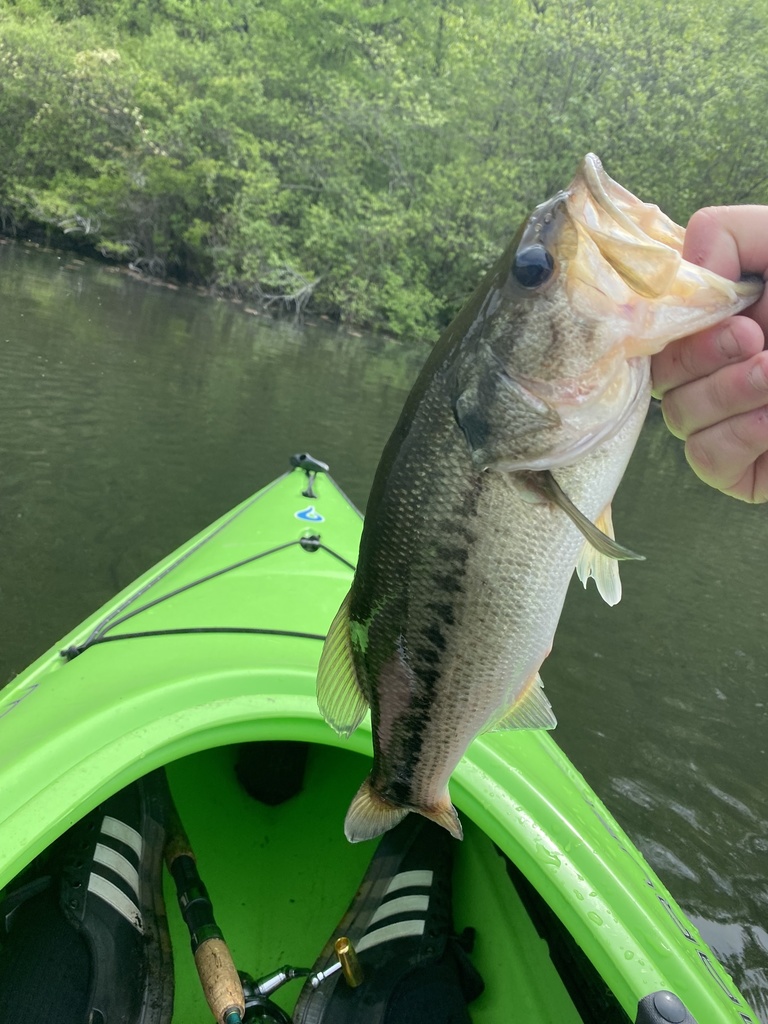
(497, 482)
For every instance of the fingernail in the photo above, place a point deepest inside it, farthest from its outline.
(728, 343)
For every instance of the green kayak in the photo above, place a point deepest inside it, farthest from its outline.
(214, 653)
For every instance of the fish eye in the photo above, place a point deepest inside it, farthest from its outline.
(532, 266)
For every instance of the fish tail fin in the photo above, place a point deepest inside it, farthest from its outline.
(444, 814)
(371, 815)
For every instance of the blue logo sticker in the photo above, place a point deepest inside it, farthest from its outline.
(309, 515)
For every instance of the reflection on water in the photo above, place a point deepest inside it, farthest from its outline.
(132, 416)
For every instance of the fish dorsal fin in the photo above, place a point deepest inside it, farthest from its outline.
(544, 484)
(340, 698)
(604, 570)
(531, 710)
(370, 815)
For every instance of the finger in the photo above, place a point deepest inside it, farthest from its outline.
(731, 455)
(702, 354)
(732, 241)
(753, 485)
(728, 392)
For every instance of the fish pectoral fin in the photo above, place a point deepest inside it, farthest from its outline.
(340, 698)
(370, 815)
(544, 484)
(602, 568)
(531, 710)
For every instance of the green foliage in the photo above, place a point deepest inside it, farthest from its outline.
(368, 157)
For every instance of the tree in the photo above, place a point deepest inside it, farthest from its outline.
(370, 157)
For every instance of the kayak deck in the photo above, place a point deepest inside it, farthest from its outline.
(281, 877)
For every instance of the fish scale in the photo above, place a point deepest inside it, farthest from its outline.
(497, 482)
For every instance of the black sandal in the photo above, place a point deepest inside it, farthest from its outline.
(400, 924)
(87, 941)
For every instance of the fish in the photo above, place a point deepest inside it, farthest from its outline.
(497, 483)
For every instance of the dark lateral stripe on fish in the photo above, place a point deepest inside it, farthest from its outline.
(406, 748)
(398, 792)
(446, 583)
(429, 675)
(463, 532)
(434, 634)
(443, 611)
(413, 726)
(452, 554)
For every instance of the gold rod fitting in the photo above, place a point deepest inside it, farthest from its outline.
(350, 965)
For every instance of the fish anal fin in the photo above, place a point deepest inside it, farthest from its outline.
(370, 815)
(340, 698)
(601, 567)
(531, 710)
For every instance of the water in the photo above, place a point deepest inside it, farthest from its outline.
(131, 416)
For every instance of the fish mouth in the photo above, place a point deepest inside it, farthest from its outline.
(640, 221)
(630, 263)
(638, 242)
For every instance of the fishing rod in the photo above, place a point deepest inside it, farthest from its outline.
(233, 996)
(217, 972)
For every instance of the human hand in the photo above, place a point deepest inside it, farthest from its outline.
(714, 385)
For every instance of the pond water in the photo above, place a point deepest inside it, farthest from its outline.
(131, 416)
